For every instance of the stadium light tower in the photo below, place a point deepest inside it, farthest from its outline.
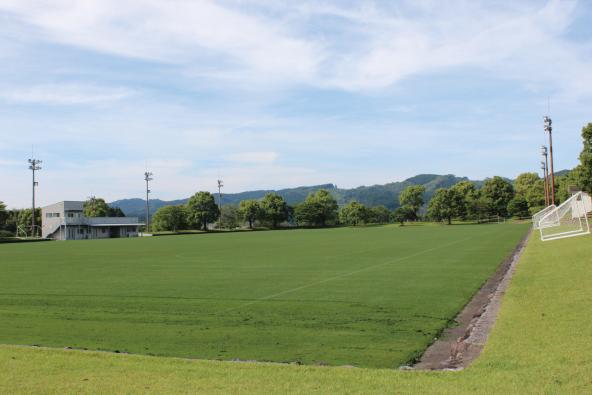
(148, 177)
(34, 166)
(544, 169)
(549, 129)
(546, 173)
(220, 185)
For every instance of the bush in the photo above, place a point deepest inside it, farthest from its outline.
(5, 233)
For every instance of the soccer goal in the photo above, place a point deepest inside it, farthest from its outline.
(568, 219)
(536, 218)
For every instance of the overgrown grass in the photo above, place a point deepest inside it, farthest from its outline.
(371, 297)
(541, 343)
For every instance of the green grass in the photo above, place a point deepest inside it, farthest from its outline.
(372, 297)
(541, 343)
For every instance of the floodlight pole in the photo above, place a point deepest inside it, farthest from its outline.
(544, 169)
(549, 129)
(220, 185)
(34, 166)
(546, 174)
(148, 178)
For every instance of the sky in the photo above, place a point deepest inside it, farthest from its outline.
(268, 94)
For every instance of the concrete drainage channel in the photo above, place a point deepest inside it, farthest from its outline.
(457, 347)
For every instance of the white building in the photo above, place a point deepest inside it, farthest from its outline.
(65, 221)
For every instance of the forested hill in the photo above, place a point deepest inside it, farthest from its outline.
(387, 194)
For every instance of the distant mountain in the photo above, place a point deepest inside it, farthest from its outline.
(375, 195)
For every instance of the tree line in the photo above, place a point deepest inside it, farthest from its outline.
(463, 201)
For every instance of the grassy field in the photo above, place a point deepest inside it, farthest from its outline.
(372, 297)
(541, 343)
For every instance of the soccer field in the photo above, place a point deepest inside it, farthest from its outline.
(373, 296)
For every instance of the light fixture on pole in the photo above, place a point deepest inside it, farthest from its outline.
(148, 177)
(549, 129)
(34, 166)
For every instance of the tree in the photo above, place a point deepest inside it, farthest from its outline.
(584, 170)
(318, 209)
(443, 205)
(275, 208)
(353, 213)
(229, 217)
(23, 219)
(379, 215)
(402, 214)
(565, 182)
(3, 215)
(95, 207)
(465, 192)
(524, 183)
(250, 211)
(115, 212)
(170, 218)
(412, 198)
(498, 193)
(201, 210)
(532, 188)
(518, 206)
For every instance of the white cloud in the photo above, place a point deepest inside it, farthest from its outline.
(65, 94)
(184, 32)
(373, 45)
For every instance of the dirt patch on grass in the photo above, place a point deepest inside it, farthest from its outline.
(458, 346)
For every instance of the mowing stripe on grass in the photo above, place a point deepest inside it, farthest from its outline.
(343, 275)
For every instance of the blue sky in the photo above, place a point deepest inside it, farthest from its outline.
(273, 94)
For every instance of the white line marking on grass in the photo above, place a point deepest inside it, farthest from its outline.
(264, 298)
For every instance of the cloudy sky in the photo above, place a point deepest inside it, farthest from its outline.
(271, 94)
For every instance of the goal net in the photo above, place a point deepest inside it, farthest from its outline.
(568, 219)
(536, 218)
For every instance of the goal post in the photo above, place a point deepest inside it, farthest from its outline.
(536, 218)
(568, 219)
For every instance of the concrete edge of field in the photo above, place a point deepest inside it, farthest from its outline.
(460, 345)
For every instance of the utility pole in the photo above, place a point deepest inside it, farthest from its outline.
(148, 178)
(220, 185)
(544, 169)
(549, 129)
(546, 174)
(34, 166)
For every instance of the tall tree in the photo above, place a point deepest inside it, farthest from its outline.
(584, 171)
(170, 218)
(412, 198)
(275, 209)
(379, 215)
(498, 193)
(402, 214)
(518, 206)
(524, 183)
(229, 217)
(353, 213)
(95, 207)
(250, 211)
(465, 193)
(319, 209)
(443, 205)
(201, 210)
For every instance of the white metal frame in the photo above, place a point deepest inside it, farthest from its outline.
(581, 204)
(536, 218)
